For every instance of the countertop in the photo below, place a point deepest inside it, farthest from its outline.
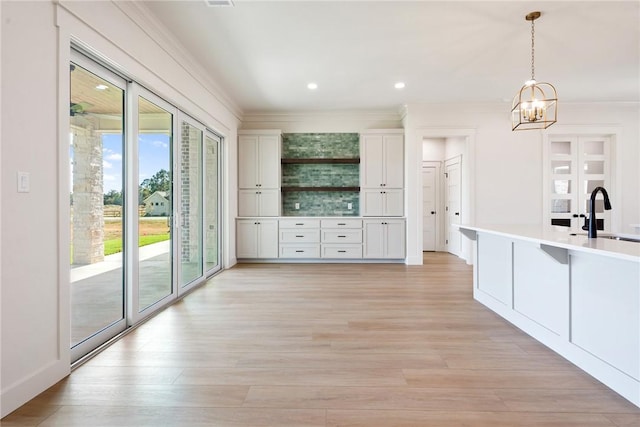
(563, 239)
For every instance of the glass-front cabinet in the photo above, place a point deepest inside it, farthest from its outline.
(574, 167)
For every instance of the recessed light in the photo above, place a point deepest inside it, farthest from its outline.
(312, 86)
(102, 87)
(399, 85)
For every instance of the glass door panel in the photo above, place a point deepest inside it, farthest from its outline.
(96, 116)
(155, 131)
(191, 208)
(211, 192)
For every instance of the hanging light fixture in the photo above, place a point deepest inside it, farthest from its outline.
(536, 104)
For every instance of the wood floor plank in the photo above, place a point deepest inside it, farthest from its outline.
(371, 345)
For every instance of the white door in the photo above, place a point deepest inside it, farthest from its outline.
(393, 161)
(394, 241)
(393, 202)
(373, 239)
(429, 208)
(267, 238)
(248, 162)
(269, 161)
(372, 201)
(247, 238)
(453, 205)
(372, 165)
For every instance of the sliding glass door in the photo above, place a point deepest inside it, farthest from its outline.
(155, 128)
(96, 151)
(144, 201)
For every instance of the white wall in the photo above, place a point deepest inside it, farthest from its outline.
(434, 149)
(506, 175)
(34, 266)
(338, 121)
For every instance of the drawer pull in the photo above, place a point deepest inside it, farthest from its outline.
(342, 252)
(299, 236)
(342, 236)
(297, 223)
(299, 251)
(341, 223)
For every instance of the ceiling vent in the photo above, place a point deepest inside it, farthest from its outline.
(219, 3)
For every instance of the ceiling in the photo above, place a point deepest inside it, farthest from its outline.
(264, 53)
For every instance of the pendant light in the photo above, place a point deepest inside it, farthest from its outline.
(535, 105)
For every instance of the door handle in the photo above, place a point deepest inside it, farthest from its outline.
(457, 213)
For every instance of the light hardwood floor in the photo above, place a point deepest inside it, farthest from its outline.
(329, 345)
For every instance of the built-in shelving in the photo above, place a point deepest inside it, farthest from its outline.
(320, 161)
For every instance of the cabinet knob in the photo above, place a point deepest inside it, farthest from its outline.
(457, 213)
(575, 215)
(433, 212)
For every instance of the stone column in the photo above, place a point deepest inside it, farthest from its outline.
(88, 194)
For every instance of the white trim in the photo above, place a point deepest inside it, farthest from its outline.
(276, 132)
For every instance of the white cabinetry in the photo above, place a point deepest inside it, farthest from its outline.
(299, 238)
(574, 167)
(257, 238)
(259, 173)
(384, 238)
(382, 172)
(341, 238)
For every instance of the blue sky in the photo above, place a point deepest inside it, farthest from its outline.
(154, 149)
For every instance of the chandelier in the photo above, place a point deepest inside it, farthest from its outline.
(535, 105)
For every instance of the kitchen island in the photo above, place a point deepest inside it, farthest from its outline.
(578, 296)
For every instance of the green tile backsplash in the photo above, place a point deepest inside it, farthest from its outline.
(321, 175)
(320, 203)
(320, 146)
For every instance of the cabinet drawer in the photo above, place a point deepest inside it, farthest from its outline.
(295, 236)
(299, 223)
(300, 251)
(341, 236)
(341, 251)
(341, 223)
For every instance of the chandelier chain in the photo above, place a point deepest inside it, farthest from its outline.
(532, 50)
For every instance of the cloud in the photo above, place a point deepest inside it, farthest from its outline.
(108, 177)
(106, 165)
(160, 144)
(114, 156)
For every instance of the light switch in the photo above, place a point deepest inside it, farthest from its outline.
(350, 206)
(24, 184)
(297, 206)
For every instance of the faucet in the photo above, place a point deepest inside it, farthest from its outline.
(592, 227)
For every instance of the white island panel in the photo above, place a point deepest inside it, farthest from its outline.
(494, 267)
(605, 310)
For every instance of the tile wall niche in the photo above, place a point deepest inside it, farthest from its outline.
(320, 146)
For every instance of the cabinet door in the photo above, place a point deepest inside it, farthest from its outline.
(372, 161)
(394, 239)
(393, 201)
(246, 239)
(248, 162)
(372, 202)
(269, 202)
(393, 161)
(268, 238)
(269, 161)
(248, 203)
(373, 239)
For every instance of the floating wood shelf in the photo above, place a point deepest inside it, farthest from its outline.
(320, 161)
(288, 189)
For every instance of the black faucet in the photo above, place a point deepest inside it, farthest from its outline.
(593, 225)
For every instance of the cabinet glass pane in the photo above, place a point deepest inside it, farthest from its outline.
(599, 206)
(561, 167)
(561, 186)
(560, 147)
(591, 184)
(560, 206)
(593, 147)
(594, 166)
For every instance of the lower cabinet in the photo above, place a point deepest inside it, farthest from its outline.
(257, 238)
(384, 238)
(382, 202)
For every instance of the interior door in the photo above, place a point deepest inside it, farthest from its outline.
(429, 212)
(453, 205)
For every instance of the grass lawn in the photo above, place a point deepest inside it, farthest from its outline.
(114, 246)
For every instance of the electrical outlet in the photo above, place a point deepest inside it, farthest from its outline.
(350, 206)
(297, 206)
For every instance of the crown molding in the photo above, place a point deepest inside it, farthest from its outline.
(157, 31)
(338, 115)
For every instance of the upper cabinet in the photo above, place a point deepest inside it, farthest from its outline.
(259, 173)
(259, 159)
(382, 172)
(575, 165)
